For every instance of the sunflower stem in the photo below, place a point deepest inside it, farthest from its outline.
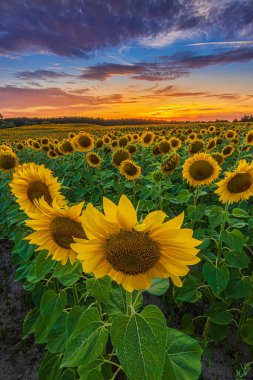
(242, 320)
(129, 304)
(222, 227)
(196, 196)
(75, 295)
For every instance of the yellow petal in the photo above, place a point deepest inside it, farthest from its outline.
(126, 214)
(110, 209)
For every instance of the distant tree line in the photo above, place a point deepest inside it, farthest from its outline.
(245, 119)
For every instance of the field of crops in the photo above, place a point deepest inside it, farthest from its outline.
(134, 245)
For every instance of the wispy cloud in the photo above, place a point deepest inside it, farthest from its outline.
(223, 43)
(40, 75)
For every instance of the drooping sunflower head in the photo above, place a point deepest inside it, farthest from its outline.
(66, 147)
(164, 147)
(119, 156)
(200, 169)
(249, 138)
(84, 141)
(130, 170)
(132, 148)
(19, 146)
(93, 159)
(147, 138)
(228, 150)
(156, 151)
(196, 146)
(30, 183)
(8, 161)
(55, 230)
(99, 143)
(169, 165)
(36, 145)
(218, 158)
(123, 141)
(211, 144)
(133, 253)
(237, 185)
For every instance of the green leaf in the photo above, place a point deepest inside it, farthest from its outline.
(216, 277)
(159, 286)
(29, 322)
(140, 342)
(40, 267)
(68, 274)
(52, 306)
(188, 292)
(217, 332)
(99, 288)
(50, 367)
(68, 374)
(88, 340)
(219, 314)
(234, 240)
(40, 330)
(72, 319)
(187, 324)
(247, 331)
(183, 357)
(195, 213)
(239, 213)
(117, 301)
(238, 286)
(57, 337)
(91, 375)
(236, 259)
(217, 216)
(184, 196)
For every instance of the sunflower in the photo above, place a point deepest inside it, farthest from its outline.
(169, 165)
(237, 185)
(228, 150)
(93, 159)
(71, 135)
(175, 143)
(201, 169)
(99, 143)
(192, 136)
(119, 156)
(132, 148)
(8, 160)
(164, 147)
(55, 228)
(84, 141)
(130, 170)
(106, 139)
(230, 134)
(156, 151)
(147, 138)
(133, 254)
(211, 129)
(66, 147)
(218, 157)
(196, 146)
(52, 153)
(45, 141)
(211, 144)
(249, 138)
(123, 141)
(31, 182)
(20, 146)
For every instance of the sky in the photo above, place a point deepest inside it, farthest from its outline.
(154, 59)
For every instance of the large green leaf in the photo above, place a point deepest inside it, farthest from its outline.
(216, 277)
(57, 336)
(52, 305)
(219, 313)
(239, 286)
(117, 301)
(247, 331)
(40, 267)
(234, 240)
(99, 288)
(50, 367)
(140, 343)
(159, 286)
(88, 340)
(188, 292)
(68, 274)
(183, 357)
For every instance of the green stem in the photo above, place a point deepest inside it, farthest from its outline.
(196, 196)
(112, 363)
(75, 295)
(129, 303)
(222, 227)
(242, 320)
(116, 373)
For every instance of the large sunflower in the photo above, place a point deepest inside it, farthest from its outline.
(201, 169)
(237, 185)
(130, 170)
(8, 160)
(84, 141)
(55, 228)
(31, 182)
(132, 254)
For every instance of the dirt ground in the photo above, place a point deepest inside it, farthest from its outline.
(19, 359)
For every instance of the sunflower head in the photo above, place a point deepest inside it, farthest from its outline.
(8, 161)
(196, 146)
(84, 141)
(20, 146)
(133, 253)
(211, 144)
(211, 129)
(132, 148)
(164, 147)
(237, 185)
(249, 138)
(228, 150)
(52, 153)
(66, 147)
(99, 143)
(123, 141)
(147, 138)
(106, 139)
(119, 156)
(130, 170)
(93, 159)
(156, 151)
(218, 158)
(55, 229)
(30, 183)
(230, 134)
(71, 135)
(175, 143)
(170, 164)
(201, 169)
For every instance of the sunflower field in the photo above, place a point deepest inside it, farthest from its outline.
(134, 245)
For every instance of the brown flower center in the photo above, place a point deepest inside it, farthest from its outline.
(7, 162)
(201, 169)
(132, 252)
(94, 159)
(130, 169)
(84, 141)
(63, 229)
(239, 183)
(38, 189)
